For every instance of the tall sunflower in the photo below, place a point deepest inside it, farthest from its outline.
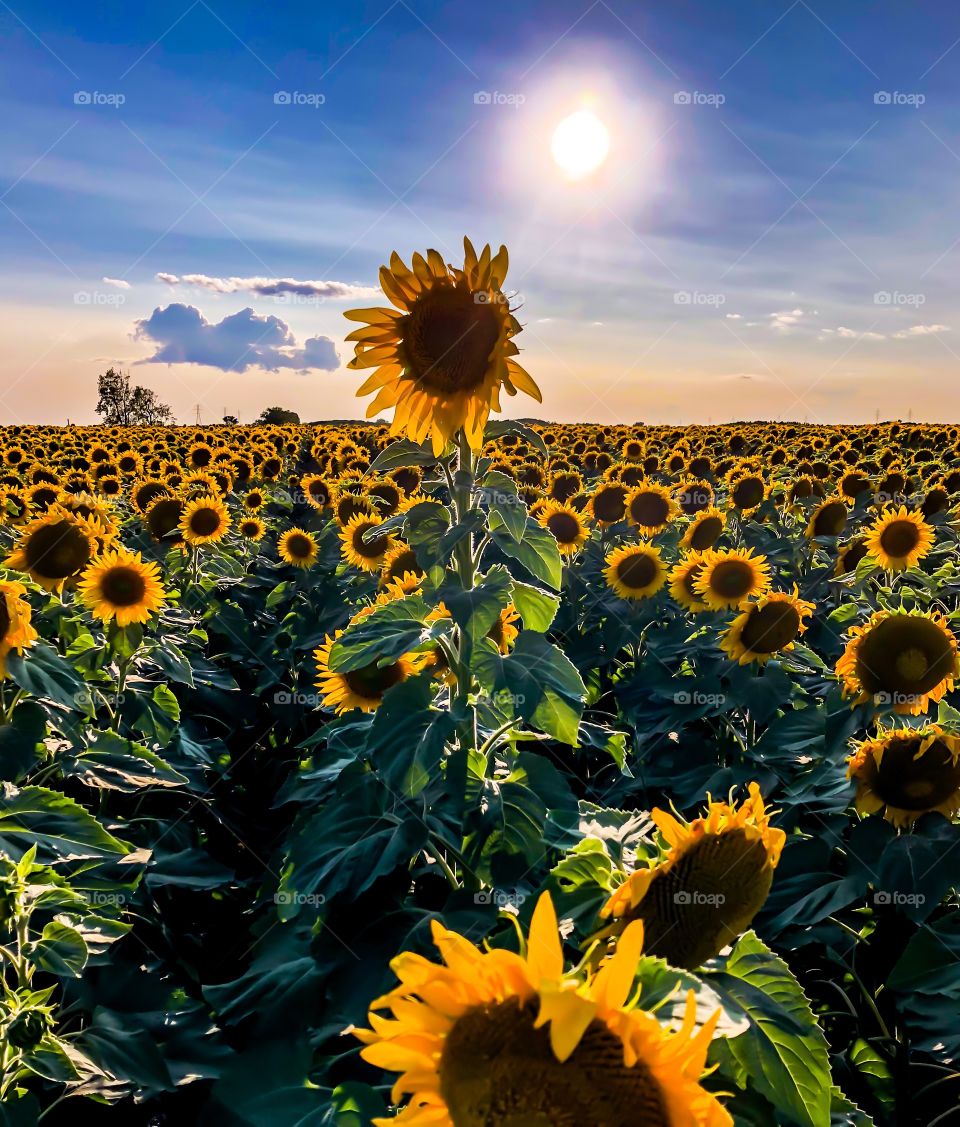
(494, 1039)
(119, 586)
(907, 772)
(298, 548)
(442, 355)
(899, 539)
(712, 883)
(16, 631)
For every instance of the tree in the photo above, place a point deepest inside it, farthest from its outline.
(231, 420)
(277, 415)
(125, 406)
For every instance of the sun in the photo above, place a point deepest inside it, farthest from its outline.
(580, 144)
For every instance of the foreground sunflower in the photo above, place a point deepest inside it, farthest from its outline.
(499, 1039)
(728, 579)
(635, 571)
(901, 660)
(365, 552)
(770, 626)
(705, 529)
(442, 355)
(118, 586)
(204, 520)
(16, 631)
(55, 548)
(907, 772)
(683, 582)
(707, 891)
(899, 539)
(360, 688)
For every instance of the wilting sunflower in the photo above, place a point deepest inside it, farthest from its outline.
(683, 582)
(55, 548)
(899, 539)
(850, 555)
(252, 528)
(118, 586)
(705, 529)
(163, 519)
(728, 579)
(770, 626)
(651, 507)
(900, 659)
(495, 1038)
(569, 528)
(712, 883)
(907, 772)
(635, 571)
(298, 548)
(360, 688)
(16, 631)
(204, 520)
(443, 354)
(367, 554)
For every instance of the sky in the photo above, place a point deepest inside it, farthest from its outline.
(197, 191)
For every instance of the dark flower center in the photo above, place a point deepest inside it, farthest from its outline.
(910, 783)
(372, 681)
(649, 509)
(564, 527)
(57, 550)
(371, 548)
(122, 586)
(899, 538)
(299, 546)
(204, 522)
(771, 627)
(831, 519)
(637, 572)
(448, 337)
(609, 504)
(748, 493)
(732, 579)
(706, 533)
(906, 655)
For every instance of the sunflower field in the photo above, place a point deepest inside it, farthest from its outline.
(465, 771)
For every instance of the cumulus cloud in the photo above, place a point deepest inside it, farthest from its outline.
(118, 282)
(921, 331)
(241, 340)
(786, 320)
(271, 287)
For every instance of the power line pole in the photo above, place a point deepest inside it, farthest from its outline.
(198, 415)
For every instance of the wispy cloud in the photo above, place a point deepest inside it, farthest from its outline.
(921, 331)
(271, 287)
(119, 283)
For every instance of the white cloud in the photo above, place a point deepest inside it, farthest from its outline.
(785, 320)
(271, 287)
(733, 316)
(921, 331)
(118, 282)
(852, 334)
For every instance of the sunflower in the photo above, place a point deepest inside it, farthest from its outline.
(608, 503)
(683, 581)
(118, 586)
(906, 773)
(362, 688)
(503, 633)
(899, 539)
(900, 659)
(443, 354)
(368, 554)
(55, 548)
(298, 548)
(635, 571)
(399, 562)
(745, 490)
(850, 555)
(204, 520)
(829, 518)
(770, 626)
(569, 528)
(728, 579)
(317, 491)
(494, 1038)
(705, 529)
(163, 519)
(651, 507)
(712, 883)
(16, 631)
(252, 528)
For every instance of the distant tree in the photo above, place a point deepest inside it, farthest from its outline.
(275, 415)
(121, 405)
(231, 420)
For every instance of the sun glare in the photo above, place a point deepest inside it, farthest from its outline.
(580, 144)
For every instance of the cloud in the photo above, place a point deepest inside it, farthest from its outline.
(240, 341)
(271, 287)
(852, 334)
(785, 321)
(733, 316)
(921, 331)
(118, 282)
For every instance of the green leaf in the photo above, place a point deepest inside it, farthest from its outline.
(402, 452)
(60, 950)
(545, 687)
(500, 493)
(784, 1052)
(499, 427)
(60, 828)
(45, 674)
(380, 637)
(537, 552)
(113, 763)
(50, 1060)
(537, 608)
(19, 740)
(476, 611)
(406, 740)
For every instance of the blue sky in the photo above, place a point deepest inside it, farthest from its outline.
(774, 234)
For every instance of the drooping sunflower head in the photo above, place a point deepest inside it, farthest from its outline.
(635, 571)
(899, 539)
(362, 688)
(900, 660)
(503, 633)
(850, 555)
(705, 529)
(651, 508)
(504, 1039)
(399, 563)
(829, 518)
(298, 548)
(55, 548)
(16, 631)
(712, 883)
(609, 503)
(163, 519)
(204, 520)
(569, 527)
(443, 354)
(683, 582)
(362, 545)
(728, 579)
(767, 627)
(119, 586)
(907, 772)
